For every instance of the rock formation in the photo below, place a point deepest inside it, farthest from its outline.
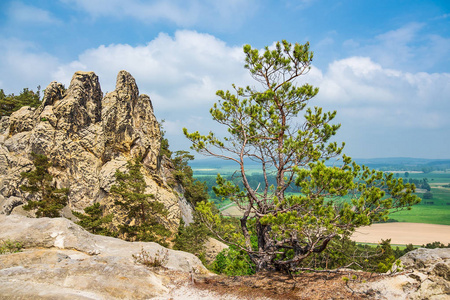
(87, 137)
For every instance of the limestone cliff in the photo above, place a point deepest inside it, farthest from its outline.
(86, 137)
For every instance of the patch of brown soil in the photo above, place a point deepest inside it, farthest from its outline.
(403, 233)
(282, 286)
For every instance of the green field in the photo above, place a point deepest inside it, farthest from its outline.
(431, 211)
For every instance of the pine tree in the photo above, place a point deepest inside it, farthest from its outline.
(40, 182)
(141, 209)
(272, 124)
(191, 238)
(93, 220)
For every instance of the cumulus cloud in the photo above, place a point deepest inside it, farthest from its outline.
(181, 74)
(23, 65)
(367, 93)
(178, 72)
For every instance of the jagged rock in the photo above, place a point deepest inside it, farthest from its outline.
(63, 261)
(86, 137)
(21, 120)
(425, 275)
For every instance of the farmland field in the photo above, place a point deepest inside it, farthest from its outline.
(431, 211)
(434, 211)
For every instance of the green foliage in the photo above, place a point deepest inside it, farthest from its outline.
(345, 253)
(93, 220)
(420, 183)
(40, 182)
(164, 151)
(435, 245)
(191, 238)
(427, 169)
(276, 128)
(10, 103)
(9, 246)
(194, 190)
(141, 209)
(233, 262)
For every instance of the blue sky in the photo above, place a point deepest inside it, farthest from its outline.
(383, 65)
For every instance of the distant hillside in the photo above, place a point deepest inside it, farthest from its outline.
(384, 164)
(406, 164)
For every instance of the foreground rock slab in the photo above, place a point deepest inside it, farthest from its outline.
(63, 261)
(426, 275)
(60, 260)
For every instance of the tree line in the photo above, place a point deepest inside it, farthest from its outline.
(10, 103)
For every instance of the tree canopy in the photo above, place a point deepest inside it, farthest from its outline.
(274, 125)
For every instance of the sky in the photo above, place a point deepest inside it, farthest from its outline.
(383, 65)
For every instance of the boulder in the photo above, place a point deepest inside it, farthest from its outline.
(425, 274)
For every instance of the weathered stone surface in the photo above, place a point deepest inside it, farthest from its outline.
(212, 248)
(63, 261)
(426, 276)
(86, 137)
(21, 120)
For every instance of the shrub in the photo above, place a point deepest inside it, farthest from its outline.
(9, 246)
(233, 262)
(159, 260)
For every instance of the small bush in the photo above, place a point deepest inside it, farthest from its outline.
(9, 246)
(435, 245)
(233, 262)
(160, 258)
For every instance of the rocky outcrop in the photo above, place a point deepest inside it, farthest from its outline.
(63, 261)
(87, 137)
(425, 275)
(212, 248)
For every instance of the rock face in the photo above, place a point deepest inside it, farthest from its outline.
(87, 137)
(426, 276)
(63, 261)
(212, 248)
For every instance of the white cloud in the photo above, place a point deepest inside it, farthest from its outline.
(23, 66)
(22, 13)
(177, 72)
(367, 94)
(181, 74)
(179, 12)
